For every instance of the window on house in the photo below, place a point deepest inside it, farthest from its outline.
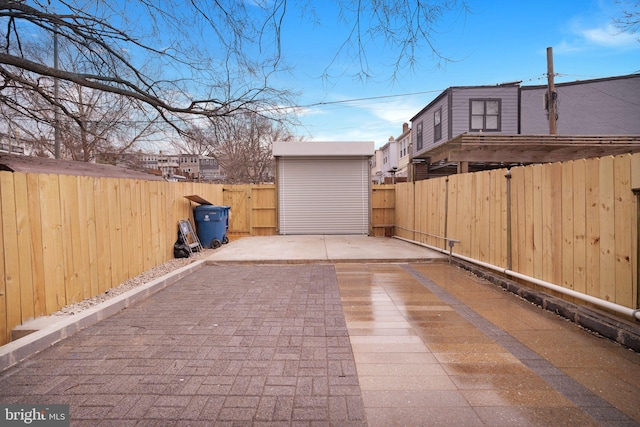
(419, 136)
(437, 124)
(484, 115)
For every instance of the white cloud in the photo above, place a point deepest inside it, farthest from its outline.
(565, 47)
(609, 36)
(365, 119)
(306, 111)
(399, 111)
(604, 36)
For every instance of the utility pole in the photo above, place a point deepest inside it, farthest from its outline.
(551, 94)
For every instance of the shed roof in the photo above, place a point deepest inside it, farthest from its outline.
(14, 163)
(324, 149)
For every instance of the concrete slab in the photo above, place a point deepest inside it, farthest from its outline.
(321, 248)
(362, 248)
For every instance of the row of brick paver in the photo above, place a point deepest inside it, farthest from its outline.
(226, 346)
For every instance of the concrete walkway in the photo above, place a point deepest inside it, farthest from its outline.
(297, 249)
(328, 342)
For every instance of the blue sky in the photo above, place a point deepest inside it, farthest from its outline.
(498, 41)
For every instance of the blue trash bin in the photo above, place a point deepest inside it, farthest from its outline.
(211, 224)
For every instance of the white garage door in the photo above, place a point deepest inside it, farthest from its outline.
(323, 195)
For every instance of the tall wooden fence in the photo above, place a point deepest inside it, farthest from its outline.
(253, 210)
(572, 224)
(67, 238)
(383, 207)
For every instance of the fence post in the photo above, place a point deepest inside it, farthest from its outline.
(508, 177)
(446, 211)
(636, 192)
(635, 187)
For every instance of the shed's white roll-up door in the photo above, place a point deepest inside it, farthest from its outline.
(323, 195)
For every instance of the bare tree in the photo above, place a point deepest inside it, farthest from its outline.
(179, 59)
(630, 19)
(176, 36)
(122, 41)
(242, 145)
(104, 126)
(405, 29)
(97, 123)
(195, 140)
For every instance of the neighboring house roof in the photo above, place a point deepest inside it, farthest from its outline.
(13, 163)
(581, 82)
(406, 130)
(403, 135)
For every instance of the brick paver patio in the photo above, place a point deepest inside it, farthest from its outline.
(345, 344)
(226, 345)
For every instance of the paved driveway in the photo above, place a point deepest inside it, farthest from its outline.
(332, 343)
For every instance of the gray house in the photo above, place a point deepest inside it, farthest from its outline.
(463, 116)
(609, 106)
(461, 109)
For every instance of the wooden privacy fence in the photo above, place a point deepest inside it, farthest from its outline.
(572, 224)
(67, 238)
(253, 209)
(383, 205)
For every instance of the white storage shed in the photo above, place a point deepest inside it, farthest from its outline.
(323, 187)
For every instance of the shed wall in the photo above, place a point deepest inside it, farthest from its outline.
(326, 195)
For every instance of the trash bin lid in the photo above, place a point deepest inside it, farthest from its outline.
(211, 208)
(197, 199)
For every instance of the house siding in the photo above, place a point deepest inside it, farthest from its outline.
(508, 109)
(597, 107)
(455, 113)
(403, 159)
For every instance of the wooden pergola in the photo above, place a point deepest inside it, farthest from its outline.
(473, 152)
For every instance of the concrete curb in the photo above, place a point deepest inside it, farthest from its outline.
(327, 261)
(20, 349)
(624, 333)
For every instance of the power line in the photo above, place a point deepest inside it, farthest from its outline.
(346, 101)
(372, 98)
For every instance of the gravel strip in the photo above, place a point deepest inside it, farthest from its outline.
(133, 282)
